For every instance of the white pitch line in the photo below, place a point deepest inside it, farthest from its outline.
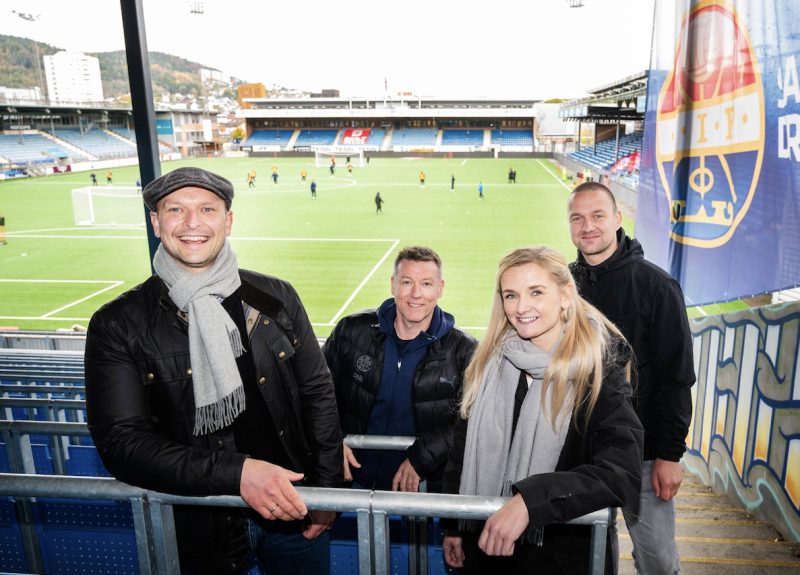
(698, 308)
(465, 161)
(232, 237)
(116, 284)
(363, 283)
(552, 174)
(142, 237)
(62, 281)
(47, 318)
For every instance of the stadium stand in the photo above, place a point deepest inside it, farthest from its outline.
(97, 143)
(604, 158)
(124, 132)
(512, 137)
(415, 137)
(269, 137)
(376, 136)
(34, 149)
(316, 138)
(462, 137)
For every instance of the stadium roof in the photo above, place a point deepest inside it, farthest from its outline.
(623, 99)
(382, 107)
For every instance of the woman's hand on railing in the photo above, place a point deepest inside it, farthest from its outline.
(504, 527)
(349, 459)
(452, 549)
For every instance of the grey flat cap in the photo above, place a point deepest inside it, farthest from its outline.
(187, 178)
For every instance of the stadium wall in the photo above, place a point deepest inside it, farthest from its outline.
(744, 438)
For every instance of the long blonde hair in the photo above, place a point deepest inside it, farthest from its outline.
(576, 370)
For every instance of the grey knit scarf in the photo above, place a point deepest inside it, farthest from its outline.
(492, 461)
(214, 339)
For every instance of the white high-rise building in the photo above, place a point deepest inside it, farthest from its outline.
(73, 77)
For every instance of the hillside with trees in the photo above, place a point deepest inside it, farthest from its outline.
(169, 73)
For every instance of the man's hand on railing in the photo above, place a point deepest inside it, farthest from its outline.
(349, 459)
(452, 549)
(316, 523)
(268, 489)
(504, 527)
(406, 479)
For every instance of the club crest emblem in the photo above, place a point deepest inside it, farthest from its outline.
(710, 126)
(364, 363)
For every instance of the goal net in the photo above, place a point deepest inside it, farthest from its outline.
(108, 206)
(323, 159)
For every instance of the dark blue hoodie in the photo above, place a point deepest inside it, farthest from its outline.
(392, 413)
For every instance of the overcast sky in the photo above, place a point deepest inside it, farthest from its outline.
(502, 48)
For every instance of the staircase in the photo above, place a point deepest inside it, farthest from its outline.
(292, 140)
(439, 137)
(387, 139)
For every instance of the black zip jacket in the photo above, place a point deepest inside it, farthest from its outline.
(599, 466)
(435, 390)
(140, 408)
(646, 304)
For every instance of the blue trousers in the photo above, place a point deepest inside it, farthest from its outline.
(284, 551)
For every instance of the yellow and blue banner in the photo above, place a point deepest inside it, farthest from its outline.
(719, 191)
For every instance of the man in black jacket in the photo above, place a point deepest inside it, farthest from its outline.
(646, 304)
(398, 371)
(208, 380)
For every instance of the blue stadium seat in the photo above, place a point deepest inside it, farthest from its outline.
(316, 138)
(269, 137)
(512, 137)
(462, 137)
(131, 135)
(414, 137)
(33, 149)
(97, 142)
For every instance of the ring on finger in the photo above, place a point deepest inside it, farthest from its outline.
(274, 508)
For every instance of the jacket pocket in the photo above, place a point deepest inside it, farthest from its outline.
(169, 383)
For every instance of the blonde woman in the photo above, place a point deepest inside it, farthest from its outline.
(546, 419)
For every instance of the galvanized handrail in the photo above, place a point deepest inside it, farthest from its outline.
(157, 546)
(152, 511)
(68, 389)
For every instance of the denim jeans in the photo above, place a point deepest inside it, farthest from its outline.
(284, 551)
(651, 524)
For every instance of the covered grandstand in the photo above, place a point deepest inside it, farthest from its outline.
(401, 125)
(616, 113)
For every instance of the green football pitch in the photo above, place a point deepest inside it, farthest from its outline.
(335, 250)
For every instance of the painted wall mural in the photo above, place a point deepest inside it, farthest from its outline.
(745, 434)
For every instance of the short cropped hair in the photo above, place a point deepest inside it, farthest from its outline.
(596, 186)
(417, 254)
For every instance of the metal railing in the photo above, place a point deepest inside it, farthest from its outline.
(153, 517)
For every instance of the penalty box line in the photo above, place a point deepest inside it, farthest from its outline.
(113, 285)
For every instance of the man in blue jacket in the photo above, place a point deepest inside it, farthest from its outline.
(398, 371)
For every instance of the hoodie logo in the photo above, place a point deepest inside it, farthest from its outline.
(364, 363)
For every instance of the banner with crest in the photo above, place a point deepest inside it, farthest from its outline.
(719, 190)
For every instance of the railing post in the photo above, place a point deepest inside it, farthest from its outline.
(598, 552)
(162, 523)
(145, 548)
(380, 536)
(366, 564)
(423, 536)
(412, 546)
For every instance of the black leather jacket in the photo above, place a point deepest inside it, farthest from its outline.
(436, 387)
(140, 408)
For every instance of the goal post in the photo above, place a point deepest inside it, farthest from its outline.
(323, 158)
(117, 206)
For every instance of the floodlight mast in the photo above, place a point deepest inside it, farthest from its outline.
(197, 7)
(575, 3)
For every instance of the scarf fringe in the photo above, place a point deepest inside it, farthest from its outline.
(236, 342)
(217, 415)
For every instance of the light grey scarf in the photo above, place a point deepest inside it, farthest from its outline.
(492, 461)
(214, 339)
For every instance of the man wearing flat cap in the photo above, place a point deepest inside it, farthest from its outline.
(207, 379)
